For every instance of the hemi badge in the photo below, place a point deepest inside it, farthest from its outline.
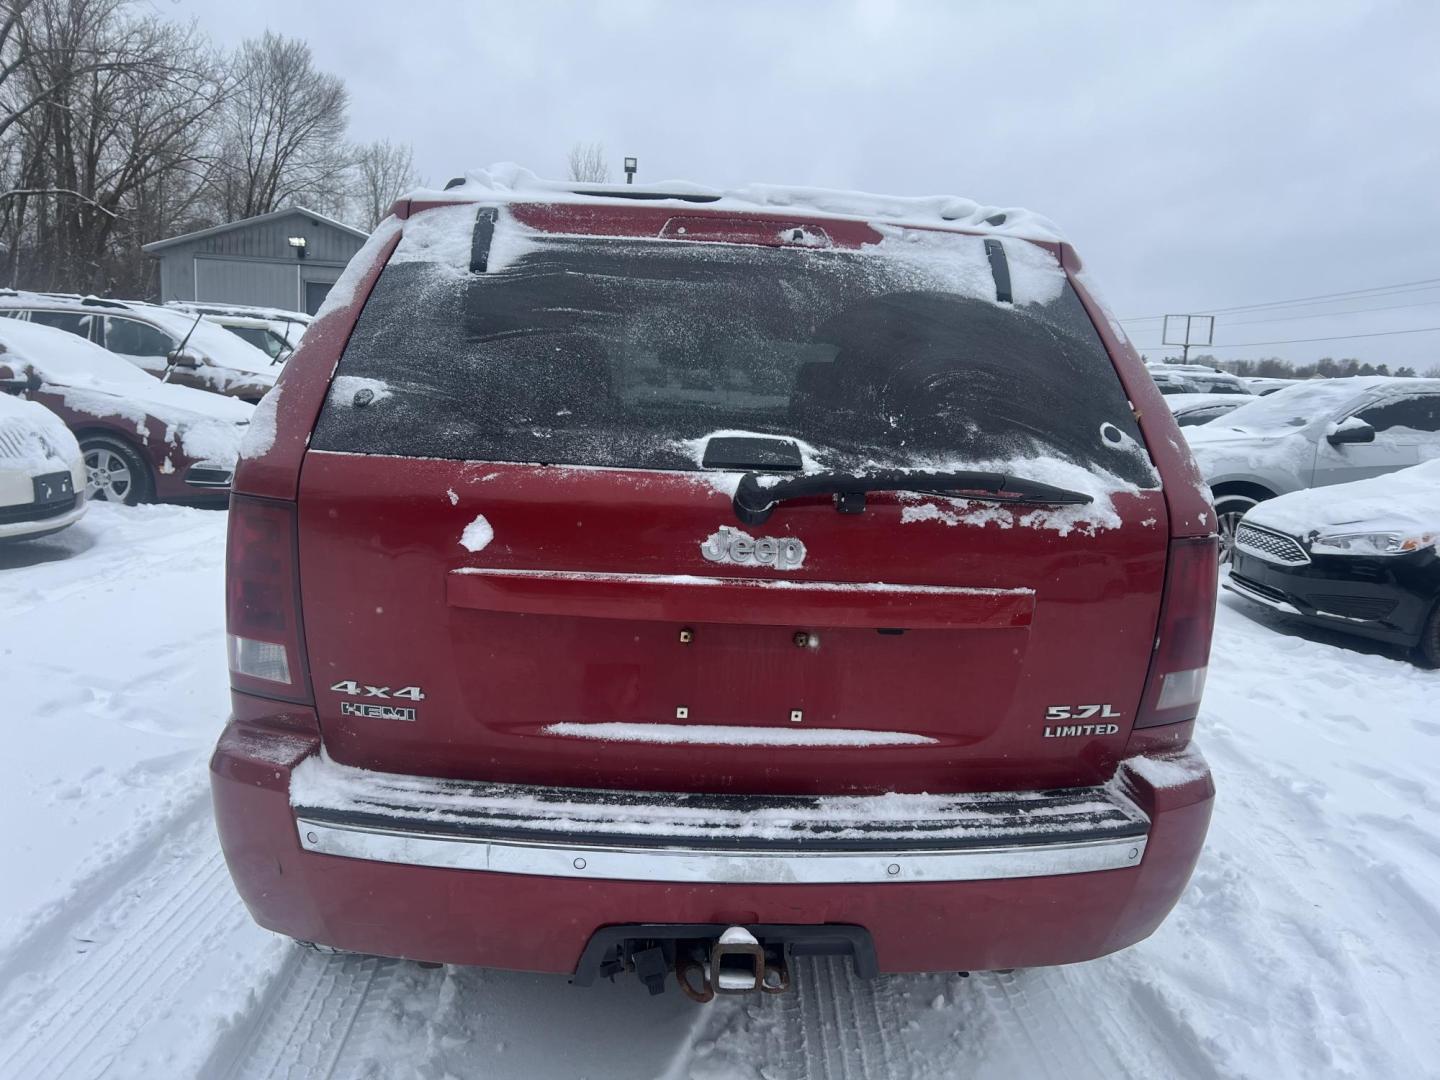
(376, 712)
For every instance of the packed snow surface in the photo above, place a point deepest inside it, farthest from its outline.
(1305, 946)
(1406, 502)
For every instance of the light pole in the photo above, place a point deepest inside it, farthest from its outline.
(631, 164)
(299, 243)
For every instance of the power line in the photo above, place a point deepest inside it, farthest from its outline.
(1302, 341)
(1333, 314)
(1319, 314)
(1298, 299)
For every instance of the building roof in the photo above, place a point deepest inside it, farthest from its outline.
(200, 234)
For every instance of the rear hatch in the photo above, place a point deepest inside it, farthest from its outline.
(521, 560)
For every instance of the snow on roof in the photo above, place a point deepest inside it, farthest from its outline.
(68, 362)
(1406, 502)
(1179, 402)
(244, 311)
(508, 182)
(200, 234)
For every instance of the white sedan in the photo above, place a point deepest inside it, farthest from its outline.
(42, 475)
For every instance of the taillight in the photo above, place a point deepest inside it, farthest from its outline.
(1182, 640)
(262, 601)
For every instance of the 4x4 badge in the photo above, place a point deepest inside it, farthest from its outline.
(730, 545)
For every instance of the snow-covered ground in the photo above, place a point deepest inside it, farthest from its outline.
(1306, 946)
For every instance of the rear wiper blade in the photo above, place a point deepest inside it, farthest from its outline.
(755, 500)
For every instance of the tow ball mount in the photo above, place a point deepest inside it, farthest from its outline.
(712, 958)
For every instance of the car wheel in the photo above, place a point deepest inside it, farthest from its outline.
(1427, 651)
(1229, 509)
(114, 472)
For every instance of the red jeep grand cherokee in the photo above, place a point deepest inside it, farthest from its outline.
(680, 582)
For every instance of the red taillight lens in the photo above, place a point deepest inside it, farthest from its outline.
(262, 601)
(1182, 640)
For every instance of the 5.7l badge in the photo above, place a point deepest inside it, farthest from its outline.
(1080, 712)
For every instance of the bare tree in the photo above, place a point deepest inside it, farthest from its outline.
(108, 152)
(383, 172)
(284, 129)
(587, 163)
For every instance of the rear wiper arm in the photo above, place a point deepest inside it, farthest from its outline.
(754, 502)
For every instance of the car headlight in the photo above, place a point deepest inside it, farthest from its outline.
(1372, 543)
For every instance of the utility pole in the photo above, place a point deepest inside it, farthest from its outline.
(1188, 330)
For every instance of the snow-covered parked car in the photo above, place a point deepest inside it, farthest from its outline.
(174, 346)
(1313, 434)
(142, 440)
(1362, 557)
(1192, 410)
(42, 476)
(690, 580)
(1262, 385)
(1195, 379)
(273, 331)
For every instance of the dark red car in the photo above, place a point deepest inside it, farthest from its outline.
(678, 583)
(143, 440)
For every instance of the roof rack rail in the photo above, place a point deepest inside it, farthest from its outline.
(620, 194)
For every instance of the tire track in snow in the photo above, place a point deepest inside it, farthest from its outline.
(40, 943)
(89, 1007)
(303, 1026)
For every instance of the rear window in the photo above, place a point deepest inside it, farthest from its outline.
(628, 353)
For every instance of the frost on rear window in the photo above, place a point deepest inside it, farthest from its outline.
(630, 352)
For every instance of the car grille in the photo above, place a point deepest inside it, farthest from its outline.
(9, 515)
(1368, 608)
(17, 441)
(1272, 546)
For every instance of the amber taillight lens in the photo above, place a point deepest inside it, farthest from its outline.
(1182, 640)
(264, 639)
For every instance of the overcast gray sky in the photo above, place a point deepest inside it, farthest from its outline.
(1199, 157)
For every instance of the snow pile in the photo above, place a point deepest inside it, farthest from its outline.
(508, 182)
(477, 535)
(322, 783)
(441, 236)
(1100, 485)
(1406, 503)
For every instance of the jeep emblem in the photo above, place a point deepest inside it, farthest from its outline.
(730, 545)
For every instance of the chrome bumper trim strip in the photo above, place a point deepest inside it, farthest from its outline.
(1250, 594)
(679, 864)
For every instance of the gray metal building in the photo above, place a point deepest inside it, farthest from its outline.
(285, 259)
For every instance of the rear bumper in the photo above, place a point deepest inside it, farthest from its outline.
(441, 885)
